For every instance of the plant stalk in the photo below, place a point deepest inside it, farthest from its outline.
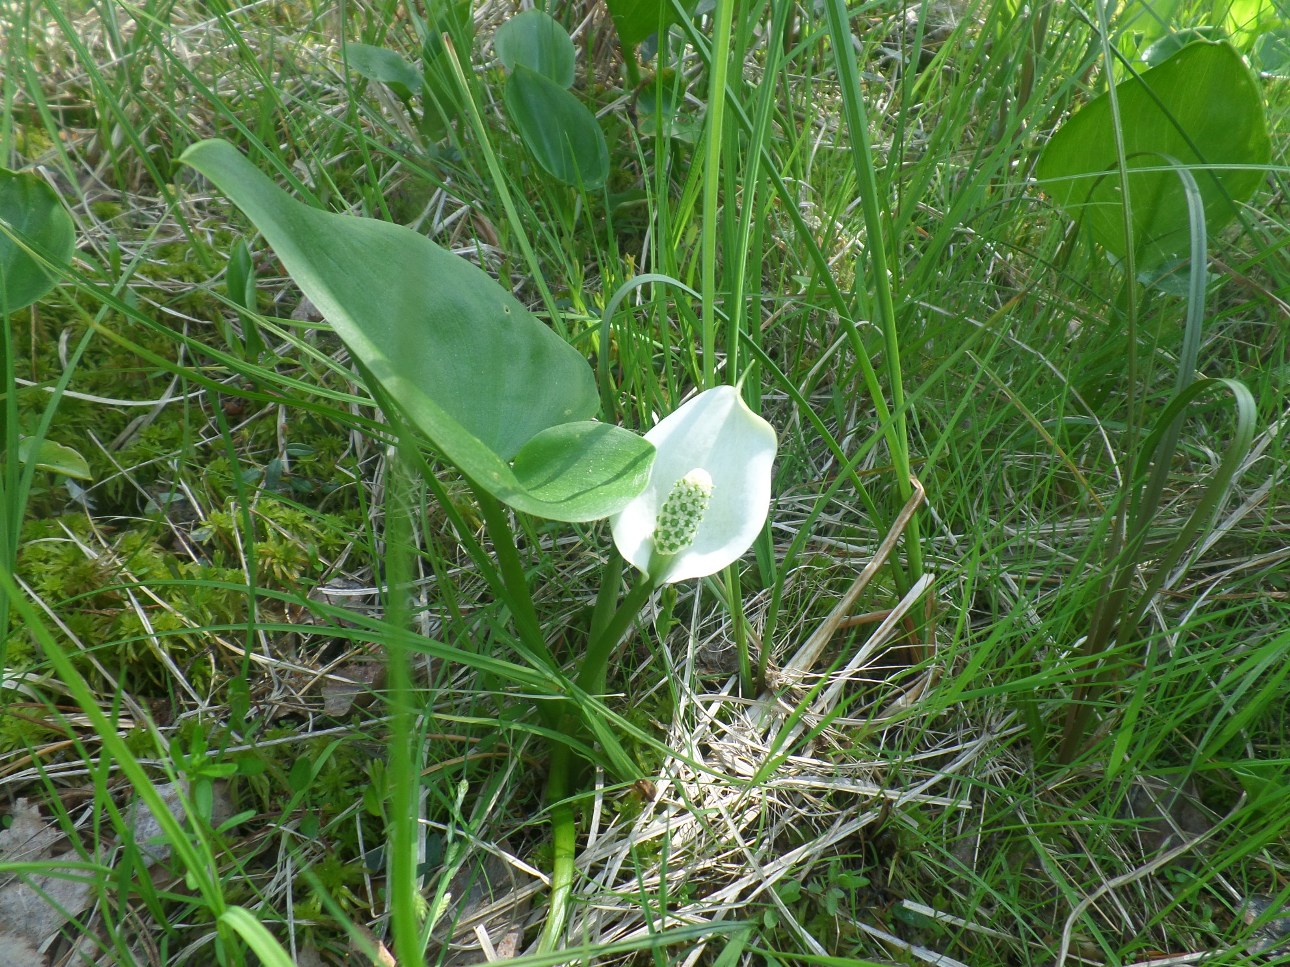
(562, 766)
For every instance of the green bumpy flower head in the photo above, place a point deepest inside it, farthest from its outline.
(682, 512)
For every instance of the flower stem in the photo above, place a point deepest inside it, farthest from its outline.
(564, 836)
(607, 596)
(518, 597)
(749, 685)
(591, 677)
(607, 631)
(404, 760)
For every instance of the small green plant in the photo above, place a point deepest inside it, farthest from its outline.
(1151, 168)
(431, 83)
(832, 204)
(36, 241)
(557, 128)
(685, 501)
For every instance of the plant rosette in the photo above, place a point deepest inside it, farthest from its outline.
(708, 493)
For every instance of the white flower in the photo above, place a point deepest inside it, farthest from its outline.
(709, 490)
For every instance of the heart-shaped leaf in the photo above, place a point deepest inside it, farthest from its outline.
(464, 361)
(1202, 106)
(563, 135)
(36, 239)
(536, 40)
(385, 67)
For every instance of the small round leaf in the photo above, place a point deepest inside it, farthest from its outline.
(536, 40)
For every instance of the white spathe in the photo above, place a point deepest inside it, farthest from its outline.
(715, 432)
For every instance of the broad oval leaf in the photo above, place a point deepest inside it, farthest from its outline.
(54, 457)
(536, 40)
(593, 467)
(386, 67)
(37, 237)
(1202, 106)
(563, 135)
(467, 364)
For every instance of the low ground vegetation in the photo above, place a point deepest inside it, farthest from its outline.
(997, 684)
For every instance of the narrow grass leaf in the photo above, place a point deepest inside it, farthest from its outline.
(257, 937)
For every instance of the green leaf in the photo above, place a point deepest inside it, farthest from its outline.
(1271, 53)
(637, 19)
(1143, 23)
(1170, 44)
(563, 135)
(239, 278)
(555, 465)
(36, 239)
(1263, 781)
(256, 935)
(659, 101)
(441, 102)
(536, 40)
(54, 457)
(385, 67)
(1247, 20)
(1201, 106)
(464, 361)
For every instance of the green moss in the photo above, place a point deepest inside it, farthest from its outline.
(290, 542)
(122, 601)
(32, 141)
(105, 210)
(25, 725)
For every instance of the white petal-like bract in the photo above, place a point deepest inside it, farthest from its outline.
(717, 433)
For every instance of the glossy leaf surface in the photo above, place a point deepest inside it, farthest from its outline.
(465, 362)
(1202, 106)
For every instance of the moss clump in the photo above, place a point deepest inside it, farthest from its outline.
(290, 543)
(131, 604)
